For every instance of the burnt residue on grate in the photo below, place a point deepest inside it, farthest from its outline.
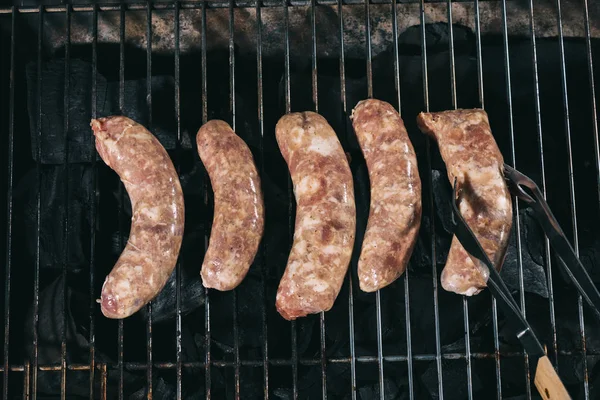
(276, 241)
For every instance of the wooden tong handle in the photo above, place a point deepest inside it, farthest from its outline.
(548, 382)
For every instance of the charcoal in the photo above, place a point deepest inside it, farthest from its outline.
(79, 136)
(454, 373)
(79, 178)
(50, 334)
(534, 275)
(391, 390)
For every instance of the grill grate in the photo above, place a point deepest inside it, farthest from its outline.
(20, 375)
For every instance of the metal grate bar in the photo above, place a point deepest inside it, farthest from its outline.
(481, 101)
(411, 384)
(344, 113)
(194, 5)
(455, 106)
(93, 203)
(149, 105)
(563, 71)
(479, 57)
(36, 290)
(120, 353)
(26, 382)
(588, 43)
(9, 206)
(261, 127)
(178, 326)
(436, 308)
(396, 358)
(315, 98)
(517, 218)
(288, 100)
(63, 345)
(207, 337)
(368, 55)
(236, 340)
(540, 138)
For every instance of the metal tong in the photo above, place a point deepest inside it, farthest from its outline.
(517, 184)
(546, 380)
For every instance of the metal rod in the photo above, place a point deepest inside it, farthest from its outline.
(121, 193)
(540, 139)
(286, 75)
(207, 338)
(396, 59)
(479, 57)
(436, 308)
(517, 218)
(149, 105)
(392, 358)
(290, 193)
(368, 49)
(588, 44)
(482, 105)
(178, 325)
(236, 339)
(263, 270)
(454, 100)
(9, 205)
(315, 99)
(63, 345)
(344, 113)
(194, 5)
(563, 71)
(379, 344)
(36, 290)
(93, 203)
(314, 75)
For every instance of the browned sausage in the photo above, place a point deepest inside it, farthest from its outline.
(325, 215)
(238, 220)
(157, 220)
(472, 156)
(395, 211)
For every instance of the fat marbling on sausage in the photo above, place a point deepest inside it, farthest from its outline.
(325, 215)
(395, 209)
(157, 220)
(471, 155)
(238, 221)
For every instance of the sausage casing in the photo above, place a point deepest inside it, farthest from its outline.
(472, 156)
(325, 215)
(157, 221)
(238, 221)
(395, 209)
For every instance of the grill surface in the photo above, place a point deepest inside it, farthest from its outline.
(309, 367)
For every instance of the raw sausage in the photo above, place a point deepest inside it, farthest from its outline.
(325, 215)
(395, 210)
(472, 156)
(157, 219)
(238, 220)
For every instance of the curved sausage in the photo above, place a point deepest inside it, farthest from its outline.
(157, 219)
(325, 215)
(471, 155)
(395, 210)
(238, 221)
